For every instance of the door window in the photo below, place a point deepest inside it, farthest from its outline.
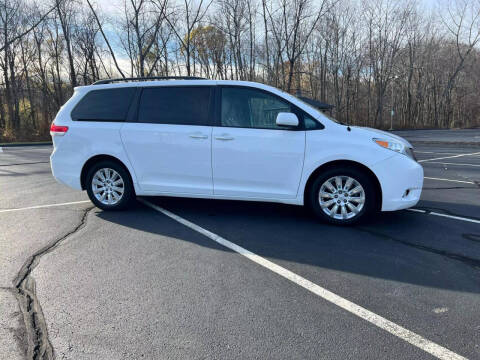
(175, 105)
(251, 108)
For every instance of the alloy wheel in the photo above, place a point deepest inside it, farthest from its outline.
(108, 186)
(341, 197)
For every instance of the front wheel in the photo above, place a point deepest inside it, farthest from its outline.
(109, 186)
(342, 196)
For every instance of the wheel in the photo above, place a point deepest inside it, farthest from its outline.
(109, 186)
(342, 196)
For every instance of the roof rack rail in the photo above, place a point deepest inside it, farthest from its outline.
(109, 81)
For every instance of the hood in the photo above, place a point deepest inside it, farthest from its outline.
(385, 134)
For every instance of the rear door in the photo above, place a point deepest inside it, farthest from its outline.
(252, 156)
(169, 145)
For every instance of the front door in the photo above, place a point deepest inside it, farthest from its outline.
(252, 157)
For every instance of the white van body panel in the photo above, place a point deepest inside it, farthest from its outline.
(170, 158)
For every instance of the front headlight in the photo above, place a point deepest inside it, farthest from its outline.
(395, 146)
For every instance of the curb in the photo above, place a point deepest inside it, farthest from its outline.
(41, 143)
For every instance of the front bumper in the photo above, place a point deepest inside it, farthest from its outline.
(401, 180)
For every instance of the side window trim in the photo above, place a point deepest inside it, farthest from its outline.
(132, 114)
(217, 121)
(211, 105)
(302, 114)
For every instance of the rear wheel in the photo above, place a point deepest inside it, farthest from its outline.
(342, 196)
(109, 186)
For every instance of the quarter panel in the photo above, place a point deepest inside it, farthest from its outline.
(83, 141)
(337, 143)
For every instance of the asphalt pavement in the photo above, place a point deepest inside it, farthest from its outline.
(463, 137)
(204, 279)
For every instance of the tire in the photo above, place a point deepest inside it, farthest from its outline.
(347, 198)
(112, 172)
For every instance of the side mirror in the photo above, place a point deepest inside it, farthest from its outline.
(286, 119)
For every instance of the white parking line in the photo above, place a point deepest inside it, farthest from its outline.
(44, 206)
(448, 163)
(449, 157)
(455, 217)
(418, 210)
(475, 221)
(458, 181)
(377, 320)
(1, 149)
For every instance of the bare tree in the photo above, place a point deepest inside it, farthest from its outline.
(66, 12)
(366, 58)
(100, 27)
(386, 23)
(142, 23)
(193, 16)
(8, 41)
(463, 22)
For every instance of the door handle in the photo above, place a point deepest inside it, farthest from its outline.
(198, 136)
(224, 137)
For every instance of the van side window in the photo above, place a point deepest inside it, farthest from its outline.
(250, 108)
(310, 123)
(104, 105)
(175, 105)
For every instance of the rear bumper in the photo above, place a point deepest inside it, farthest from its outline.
(401, 180)
(65, 171)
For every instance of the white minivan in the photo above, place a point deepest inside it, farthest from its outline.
(189, 137)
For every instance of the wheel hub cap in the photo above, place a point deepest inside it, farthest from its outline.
(341, 197)
(108, 186)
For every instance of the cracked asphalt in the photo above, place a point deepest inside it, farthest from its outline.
(80, 283)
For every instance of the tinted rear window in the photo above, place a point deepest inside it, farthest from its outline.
(104, 105)
(175, 105)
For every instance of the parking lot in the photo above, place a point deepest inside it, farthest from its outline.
(204, 279)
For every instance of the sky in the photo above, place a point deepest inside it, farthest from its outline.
(111, 7)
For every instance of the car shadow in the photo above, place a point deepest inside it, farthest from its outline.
(402, 246)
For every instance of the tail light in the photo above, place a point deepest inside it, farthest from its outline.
(56, 130)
